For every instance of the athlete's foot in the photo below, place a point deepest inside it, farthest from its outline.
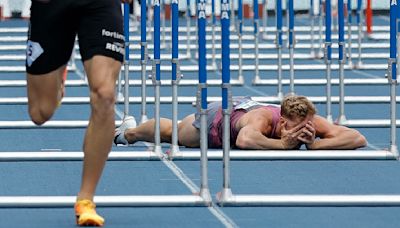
(85, 211)
(119, 136)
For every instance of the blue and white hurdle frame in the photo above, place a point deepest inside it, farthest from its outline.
(156, 75)
(202, 97)
(292, 42)
(240, 47)
(256, 41)
(265, 19)
(213, 27)
(143, 57)
(393, 69)
(349, 32)
(342, 59)
(176, 76)
(226, 95)
(188, 29)
(360, 33)
(279, 44)
(328, 59)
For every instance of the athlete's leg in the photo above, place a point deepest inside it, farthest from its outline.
(45, 91)
(188, 135)
(102, 73)
(145, 131)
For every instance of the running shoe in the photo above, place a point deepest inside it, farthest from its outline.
(85, 211)
(119, 137)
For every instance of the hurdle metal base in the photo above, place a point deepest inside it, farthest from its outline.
(311, 200)
(211, 154)
(104, 201)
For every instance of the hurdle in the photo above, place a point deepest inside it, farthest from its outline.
(176, 76)
(256, 41)
(156, 76)
(188, 29)
(360, 25)
(213, 24)
(279, 43)
(292, 41)
(349, 23)
(314, 13)
(127, 117)
(202, 97)
(240, 35)
(265, 19)
(328, 59)
(342, 59)
(143, 59)
(231, 199)
(393, 67)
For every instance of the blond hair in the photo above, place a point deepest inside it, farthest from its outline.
(294, 106)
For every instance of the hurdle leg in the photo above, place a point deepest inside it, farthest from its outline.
(312, 51)
(256, 42)
(291, 45)
(156, 77)
(202, 98)
(328, 60)
(232, 16)
(226, 193)
(176, 75)
(143, 59)
(342, 117)
(279, 44)
(214, 62)
(240, 28)
(320, 53)
(349, 33)
(360, 34)
(265, 20)
(162, 6)
(188, 27)
(126, 65)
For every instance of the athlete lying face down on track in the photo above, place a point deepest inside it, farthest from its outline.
(254, 126)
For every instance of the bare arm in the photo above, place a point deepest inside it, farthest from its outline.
(253, 139)
(333, 137)
(254, 128)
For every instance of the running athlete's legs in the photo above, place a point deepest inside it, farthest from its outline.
(102, 73)
(45, 92)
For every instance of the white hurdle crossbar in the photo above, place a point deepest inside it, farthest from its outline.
(103, 201)
(195, 155)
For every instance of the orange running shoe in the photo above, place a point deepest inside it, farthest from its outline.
(85, 211)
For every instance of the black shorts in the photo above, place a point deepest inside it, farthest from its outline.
(54, 25)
